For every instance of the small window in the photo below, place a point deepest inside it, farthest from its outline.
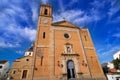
(29, 53)
(41, 60)
(43, 35)
(24, 75)
(27, 59)
(68, 48)
(46, 12)
(14, 72)
(0, 67)
(85, 38)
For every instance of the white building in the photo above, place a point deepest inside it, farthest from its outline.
(116, 55)
(113, 76)
(29, 52)
(4, 67)
(110, 65)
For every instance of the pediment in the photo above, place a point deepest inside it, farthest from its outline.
(64, 24)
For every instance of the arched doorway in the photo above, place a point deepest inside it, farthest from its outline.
(70, 69)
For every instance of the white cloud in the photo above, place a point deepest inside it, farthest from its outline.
(13, 36)
(73, 1)
(28, 33)
(115, 7)
(81, 17)
(13, 32)
(117, 35)
(115, 20)
(20, 52)
(62, 7)
(113, 10)
(98, 4)
(95, 14)
(83, 20)
(106, 54)
(110, 51)
(78, 16)
(68, 15)
(7, 44)
(44, 1)
(34, 14)
(99, 10)
(35, 11)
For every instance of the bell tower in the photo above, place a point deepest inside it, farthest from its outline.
(43, 42)
(46, 10)
(44, 24)
(45, 16)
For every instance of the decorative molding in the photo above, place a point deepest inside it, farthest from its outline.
(64, 28)
(43, 46)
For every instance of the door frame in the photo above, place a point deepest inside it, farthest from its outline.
(74, 73)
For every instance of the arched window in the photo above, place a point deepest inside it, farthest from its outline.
(70, 69)
(43, 35)
(46, 12)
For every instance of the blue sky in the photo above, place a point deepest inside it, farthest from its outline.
(18, 23)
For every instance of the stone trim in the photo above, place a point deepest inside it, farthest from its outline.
(85, 55)
(66, 54)
(75, 58)
(43, 46)
(92, 48)
(82, 46)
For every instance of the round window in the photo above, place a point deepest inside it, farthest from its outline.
(66, 35)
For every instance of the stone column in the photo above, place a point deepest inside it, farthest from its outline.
(64, 68)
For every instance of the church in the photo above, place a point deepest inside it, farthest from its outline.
(62, 51)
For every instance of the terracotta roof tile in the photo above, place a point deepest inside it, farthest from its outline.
(64, 23)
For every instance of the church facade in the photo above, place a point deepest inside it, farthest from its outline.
(63, 51)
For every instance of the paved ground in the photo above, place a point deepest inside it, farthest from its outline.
(86, 79)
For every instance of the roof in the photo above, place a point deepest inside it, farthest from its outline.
(112, 70)
(46, 5)
(104, 64)
(3, 61)
(65, 23)
(30, 49)
(23, 57)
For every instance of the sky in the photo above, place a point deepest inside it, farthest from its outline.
(18, 23)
